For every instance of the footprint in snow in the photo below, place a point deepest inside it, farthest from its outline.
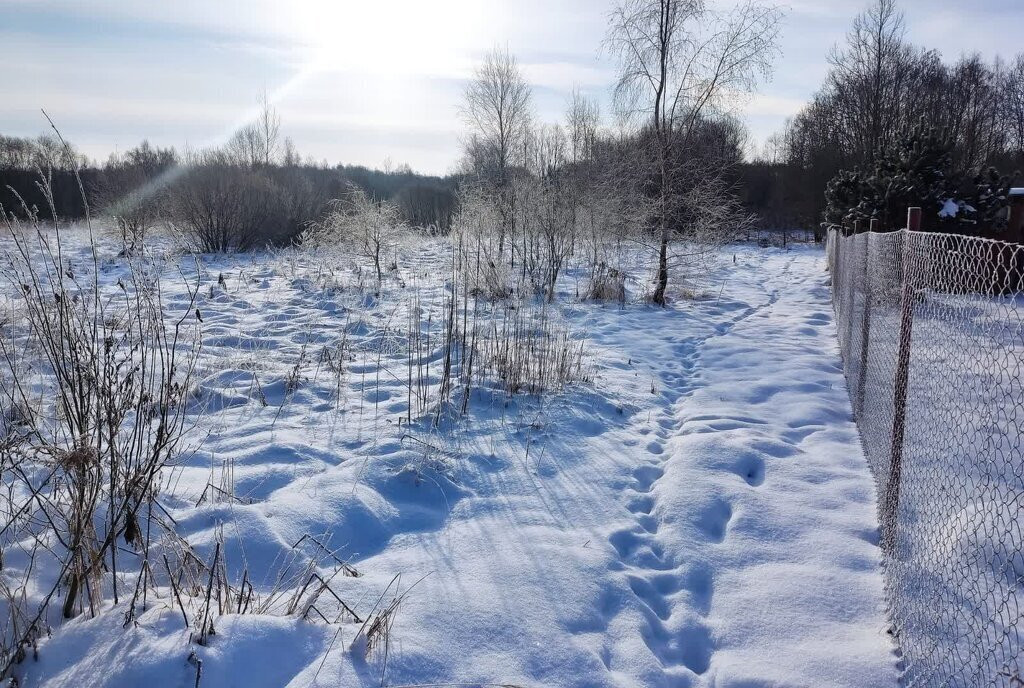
(646, 476)
(642, 504)
(751, 469)
(714, 519)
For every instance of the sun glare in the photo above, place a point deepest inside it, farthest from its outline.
(404, 38)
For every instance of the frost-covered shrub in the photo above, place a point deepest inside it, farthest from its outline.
(368, 226)
(91, 396)
(607, 284)
(476, 234)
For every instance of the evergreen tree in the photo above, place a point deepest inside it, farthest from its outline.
(845, 199)
(990, 199)
(917, 172)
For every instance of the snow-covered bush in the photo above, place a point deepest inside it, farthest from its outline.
(368, 226)
(477, 235)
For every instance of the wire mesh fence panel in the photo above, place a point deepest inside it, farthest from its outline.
(931, 328)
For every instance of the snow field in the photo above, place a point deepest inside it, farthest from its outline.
(700, 514)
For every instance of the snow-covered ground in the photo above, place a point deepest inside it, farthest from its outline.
(698, 513)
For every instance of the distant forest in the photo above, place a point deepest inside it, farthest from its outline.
(425, 200)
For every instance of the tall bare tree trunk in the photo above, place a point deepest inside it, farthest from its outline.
(659, 290)
(662, 282)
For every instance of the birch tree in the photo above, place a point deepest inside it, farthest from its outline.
(497, 110)
(679, 64)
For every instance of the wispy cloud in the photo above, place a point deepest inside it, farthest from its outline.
(358, 82)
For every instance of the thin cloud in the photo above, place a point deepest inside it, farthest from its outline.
(380, 77)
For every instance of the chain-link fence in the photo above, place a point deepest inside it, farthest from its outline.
(931, 328)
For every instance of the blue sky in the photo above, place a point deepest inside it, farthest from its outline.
(361, 82)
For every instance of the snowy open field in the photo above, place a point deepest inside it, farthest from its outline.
(693, 510)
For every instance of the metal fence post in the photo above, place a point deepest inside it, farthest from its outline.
(1015, 218)
(865, 331)
(837, 276)
(850, 293)
(840, 233)
(1014, 262)
(901, 382)
(852, 290)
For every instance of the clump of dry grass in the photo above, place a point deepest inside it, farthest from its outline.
(94, 390)
(607, 284)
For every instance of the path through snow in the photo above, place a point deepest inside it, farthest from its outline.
(752, 552)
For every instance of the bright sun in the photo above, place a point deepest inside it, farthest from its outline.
(391, 37)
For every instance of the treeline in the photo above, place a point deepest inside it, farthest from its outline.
(253, 191)
(893, 125)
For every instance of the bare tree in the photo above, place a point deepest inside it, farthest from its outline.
(497, 110)
(679, 65)
(258, 142)
(977, 126)
(868, 73)
(546, 150)
(598, 176)
(290, 157)
(370, 226)
(269, 124)
(581, 120)
(15, 153)
(245, 147)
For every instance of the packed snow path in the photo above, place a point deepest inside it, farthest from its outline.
(752, 552)
(702, 515)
